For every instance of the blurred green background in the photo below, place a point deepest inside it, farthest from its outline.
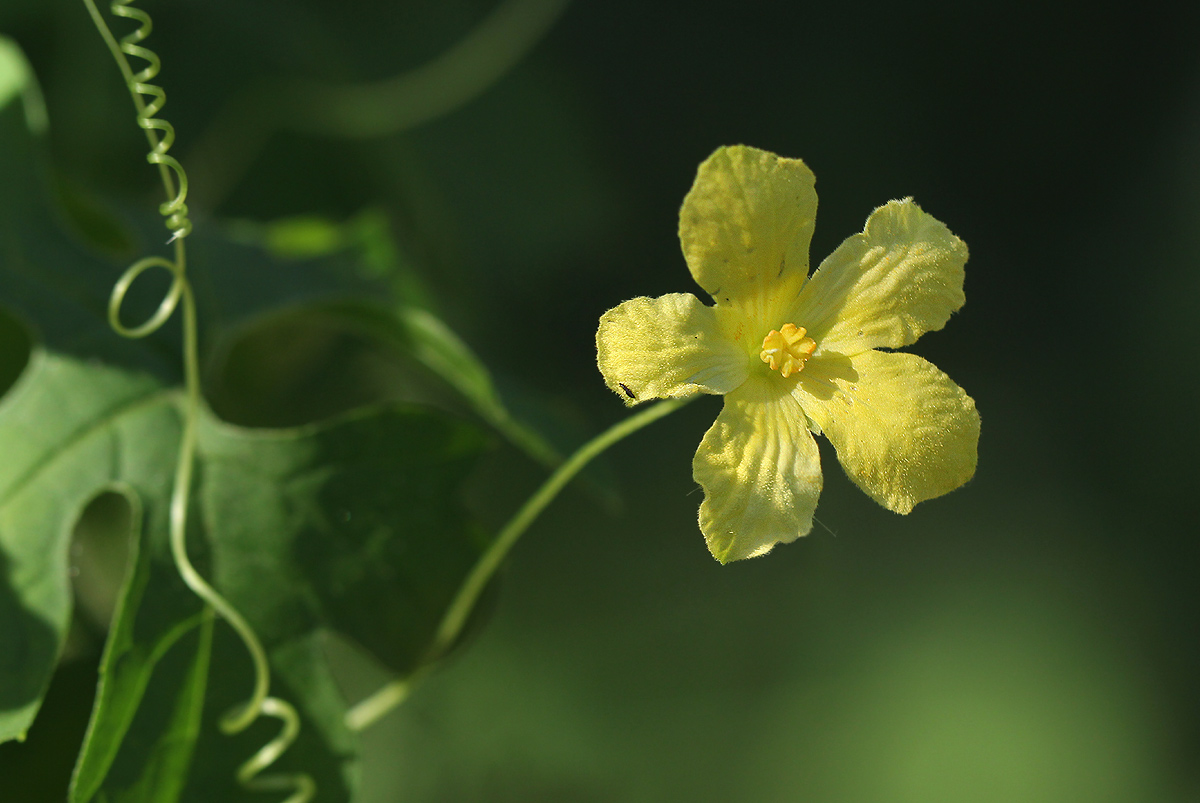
(1030, 637)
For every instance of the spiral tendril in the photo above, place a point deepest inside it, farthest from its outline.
(161, 134)
(174, 210)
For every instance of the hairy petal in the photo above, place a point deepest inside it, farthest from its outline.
(903, 430)
(901, 277)
(666, 347)
(745, 228)
(760, 471)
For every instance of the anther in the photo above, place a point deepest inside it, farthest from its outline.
(786, 349)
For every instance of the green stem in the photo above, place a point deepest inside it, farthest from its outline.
(374, 707)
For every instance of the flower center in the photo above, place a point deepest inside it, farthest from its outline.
(785, 349)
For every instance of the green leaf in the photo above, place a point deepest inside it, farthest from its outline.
(147, 654)
(363, 246)
(76, 397)
(351, 525)
(355, 524)
(406, 325)
(14, 71)
(163, 722)
(16, 82)
(64, 431)
(423, 336)
(283, 369)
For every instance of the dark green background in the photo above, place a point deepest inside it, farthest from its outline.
(1029, 637)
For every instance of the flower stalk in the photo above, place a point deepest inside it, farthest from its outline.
(455, 619)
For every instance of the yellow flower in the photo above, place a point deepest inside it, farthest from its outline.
(795, 355)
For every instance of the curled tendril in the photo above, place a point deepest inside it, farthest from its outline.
(303, 787)
(165, 308)
(161, 135)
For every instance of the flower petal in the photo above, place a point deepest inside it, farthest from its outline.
(901, 277)
(760, 471)
(745, 227)
(666, 347)
(903, 430)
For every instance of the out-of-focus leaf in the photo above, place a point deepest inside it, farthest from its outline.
(76, 398)
(352, 525)
(406, 325)
(159, 723)
(64, 429)
(13, 71)
(422, 335)
(355, 525)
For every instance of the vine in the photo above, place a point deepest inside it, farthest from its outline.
(149, 100)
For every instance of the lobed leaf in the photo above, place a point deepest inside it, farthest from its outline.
(352, 525)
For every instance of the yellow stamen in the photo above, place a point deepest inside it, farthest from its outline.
(786, 349)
